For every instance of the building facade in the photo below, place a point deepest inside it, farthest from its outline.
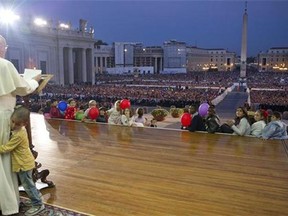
(275, 59)
(175, 57)
(199, 59)
(55, 49)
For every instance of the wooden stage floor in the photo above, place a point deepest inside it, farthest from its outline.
(109, 170)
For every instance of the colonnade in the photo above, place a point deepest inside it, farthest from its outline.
(75, 65)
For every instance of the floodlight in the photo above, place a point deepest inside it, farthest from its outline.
(40, 22)
(8, 16)
(64, 25)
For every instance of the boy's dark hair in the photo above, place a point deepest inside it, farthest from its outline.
(53, 100)
(21, 114)
(70, 100)
(277, 114)
(102, 108)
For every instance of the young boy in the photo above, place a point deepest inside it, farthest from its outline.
(91, 104)
(276, 129)
(54, 111)
(22, 159)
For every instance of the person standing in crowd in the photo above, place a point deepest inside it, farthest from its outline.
(23, 161)
(12, 84)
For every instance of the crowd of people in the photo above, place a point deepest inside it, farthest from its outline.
(242, 125)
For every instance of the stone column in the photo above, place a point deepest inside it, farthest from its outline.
(70, 66)
(84, 66)
(91, 57)
(161, 64)
(101, 64)
(61, 66)
(156, 65)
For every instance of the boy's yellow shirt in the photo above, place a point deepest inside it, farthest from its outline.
(18, 145)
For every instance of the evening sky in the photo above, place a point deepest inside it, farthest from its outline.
(205, 24)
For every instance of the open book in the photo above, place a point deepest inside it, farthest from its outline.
(30, 73)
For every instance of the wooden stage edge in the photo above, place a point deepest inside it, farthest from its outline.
(102, 169)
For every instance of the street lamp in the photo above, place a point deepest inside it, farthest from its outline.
(124, 56)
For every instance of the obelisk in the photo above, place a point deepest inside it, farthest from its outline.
(244, 44)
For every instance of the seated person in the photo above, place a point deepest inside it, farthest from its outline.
(197, 123)
(138, 119)
(92, 103)
(71, 110)
(126, 117)
(54, 111)
(115, 114)
(212, 121)
(240, 125)
(102, 115)
(276, 129)
(259, 124)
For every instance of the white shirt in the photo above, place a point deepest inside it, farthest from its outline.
(257, 127)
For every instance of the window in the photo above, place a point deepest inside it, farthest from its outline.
(228, 62)
(43, 67)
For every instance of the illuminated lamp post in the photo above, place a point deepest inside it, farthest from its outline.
(124, 56)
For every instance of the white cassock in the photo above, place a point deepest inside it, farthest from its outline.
(11, 84)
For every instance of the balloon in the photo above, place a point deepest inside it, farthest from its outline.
(124, 104)
(186, 119)
(62, 105)
(79, 116)
(203, 109)
(93, 113)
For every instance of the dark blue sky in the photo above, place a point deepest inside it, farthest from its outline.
(207, 24)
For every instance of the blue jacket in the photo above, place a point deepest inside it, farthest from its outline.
(275, 130)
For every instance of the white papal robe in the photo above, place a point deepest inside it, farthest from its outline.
(11, 84)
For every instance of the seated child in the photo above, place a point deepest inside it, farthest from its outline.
(276, 129)
(212, 121)
(126, 117)
(92, 103)
(259, 124)
(54, 111)
(138, 119)
(23, 161)
(102, 115)
(71, 110)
